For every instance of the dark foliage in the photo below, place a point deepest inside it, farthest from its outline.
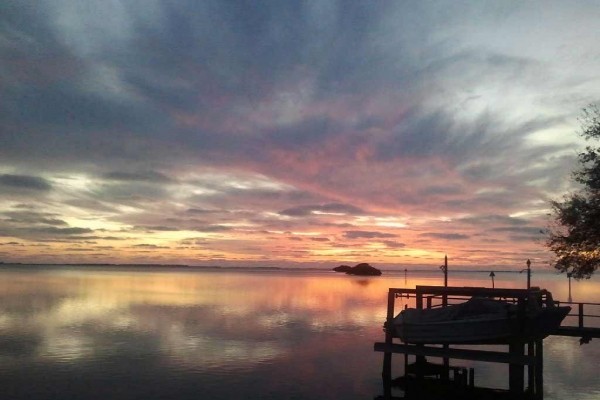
(575, 238)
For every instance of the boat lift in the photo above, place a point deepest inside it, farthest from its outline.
(520, 353)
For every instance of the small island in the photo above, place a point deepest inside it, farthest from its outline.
(343, 268)
(362, 269)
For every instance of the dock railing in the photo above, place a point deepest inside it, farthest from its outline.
(587, 317)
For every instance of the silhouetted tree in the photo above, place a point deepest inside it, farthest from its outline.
(575, 237)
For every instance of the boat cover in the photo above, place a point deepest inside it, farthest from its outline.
(475, 307)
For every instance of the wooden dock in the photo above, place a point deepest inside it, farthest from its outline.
(519, 355)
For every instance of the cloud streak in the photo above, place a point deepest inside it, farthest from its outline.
(24, 182)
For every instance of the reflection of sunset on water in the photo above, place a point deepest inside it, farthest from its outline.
(238, 306)
(229, 324)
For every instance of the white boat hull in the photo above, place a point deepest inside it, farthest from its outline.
(497, 328)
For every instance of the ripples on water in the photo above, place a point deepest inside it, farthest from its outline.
(91, 333)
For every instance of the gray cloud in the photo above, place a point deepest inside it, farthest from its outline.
(212, 228)
(531, 230)
(46, 233)
(368, 235)
(493, 219)
(161, 228)
(302, 211)
(146, 176)
(130, 193)
(446, 236)
(25, 182)
(440, 191)
(149, 246)
(393, 244)
(203, 211)
(63, 231)
(32, 217)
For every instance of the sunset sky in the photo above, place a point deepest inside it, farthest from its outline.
(286, 133)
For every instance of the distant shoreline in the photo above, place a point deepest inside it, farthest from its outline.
(255, 268)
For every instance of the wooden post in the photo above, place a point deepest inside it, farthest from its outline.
(471, 377)
(581, 315)
(516, 381)
(419, 299)
(445, 360)
(386, 373)
(539, 369)
(389, 320)
(391, 301)
(531, 368)
(446, 370)
(446, 271)
(419, 360)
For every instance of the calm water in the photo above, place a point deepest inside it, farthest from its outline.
(92, 333)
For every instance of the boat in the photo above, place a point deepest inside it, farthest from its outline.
(480, 320)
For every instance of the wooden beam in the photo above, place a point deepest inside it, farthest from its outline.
(462, 354)
(576, 331)
(473, 291)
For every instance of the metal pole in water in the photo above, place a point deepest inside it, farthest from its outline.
(569, 275)
(446, 360)
(492, 275)
(444, 269)
(528, 270)
(528, 274)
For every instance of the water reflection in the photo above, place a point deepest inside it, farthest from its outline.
(102, 333)
(219, 328)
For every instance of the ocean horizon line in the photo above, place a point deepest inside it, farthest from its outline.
(404, 269)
